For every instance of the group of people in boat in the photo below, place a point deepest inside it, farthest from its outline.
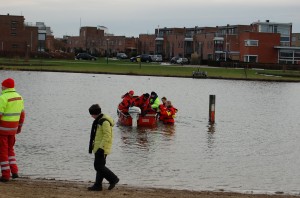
(149, 104)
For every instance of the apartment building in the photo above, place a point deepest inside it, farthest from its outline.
(146, 44)
(17, 39)
(96, 40)
(45, 37)
(295, 39)
(264, 42)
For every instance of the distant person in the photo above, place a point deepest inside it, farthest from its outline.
(127, 101)
(12, 116)
(154, 101)
(100, 143)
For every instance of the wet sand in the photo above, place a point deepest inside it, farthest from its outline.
(38, 188)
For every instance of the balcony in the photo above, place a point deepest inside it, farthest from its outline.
(219, 39)
(188, 37)
(159, 37)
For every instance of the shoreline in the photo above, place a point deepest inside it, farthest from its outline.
(27, 187)
(173, 76)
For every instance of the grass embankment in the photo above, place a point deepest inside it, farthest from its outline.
(152, 69)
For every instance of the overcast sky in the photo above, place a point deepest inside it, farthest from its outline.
(133, 17)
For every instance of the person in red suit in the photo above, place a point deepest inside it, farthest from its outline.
(12, 116)
(143, 102)
(127, 101)
(169, 113)
(162, 107)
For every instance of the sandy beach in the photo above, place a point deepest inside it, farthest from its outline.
(25, 187)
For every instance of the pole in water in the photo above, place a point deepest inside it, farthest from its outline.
(212, 104)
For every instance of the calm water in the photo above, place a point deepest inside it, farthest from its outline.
(254, 145)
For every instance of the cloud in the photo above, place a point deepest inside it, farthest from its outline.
(132, 17)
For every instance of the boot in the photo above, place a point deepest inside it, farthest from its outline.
(113, 184)
(2, 179)
(95, 188)
(15, 175)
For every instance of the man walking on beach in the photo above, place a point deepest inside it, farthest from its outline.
(100, 143)
(12, 116)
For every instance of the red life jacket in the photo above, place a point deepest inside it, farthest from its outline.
(162, 109)
(168, 115)
(126, 103)
(143, 104)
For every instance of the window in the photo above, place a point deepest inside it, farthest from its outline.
(13, 34)
(15, 46)
(286, 54)
(251, 42)
(14, 24)
(250, 58)
(285, 39)
(41, 37)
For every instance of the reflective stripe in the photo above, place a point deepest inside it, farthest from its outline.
(11, 114)
(11, 157)
(13, 162)
(5, 168)
(13, 99)
(3, 163)
(7, 129)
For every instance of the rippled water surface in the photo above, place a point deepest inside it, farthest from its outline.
(254, 145)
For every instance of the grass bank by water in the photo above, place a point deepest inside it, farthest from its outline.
(125, 67)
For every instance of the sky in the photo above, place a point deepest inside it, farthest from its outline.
(133, 17)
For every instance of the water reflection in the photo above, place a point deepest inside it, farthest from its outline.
(211, 128)
(143, 137)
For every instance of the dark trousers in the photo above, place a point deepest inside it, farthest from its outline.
(102, 171)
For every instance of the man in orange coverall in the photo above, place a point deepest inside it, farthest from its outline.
(12, 116)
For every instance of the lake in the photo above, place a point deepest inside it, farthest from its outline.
(252, 147)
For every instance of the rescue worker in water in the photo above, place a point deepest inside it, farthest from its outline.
(168, 113)
(127, 100)
(12, 116)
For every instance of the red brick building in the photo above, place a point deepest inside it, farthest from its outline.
(94, 40)
(16, 38)
(146, 44)
(263, 42)
(259, 47)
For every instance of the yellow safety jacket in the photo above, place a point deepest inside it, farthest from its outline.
(104, 135)
(12, 112)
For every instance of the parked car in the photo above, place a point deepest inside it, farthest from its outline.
(144, 58)
(157, 58)
(174, 60)
(223, 59)
(121, 56)
(133, 59)
(85, 56)
(183, 61)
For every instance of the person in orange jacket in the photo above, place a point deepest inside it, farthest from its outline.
(169, 113)
(143, 103)
(127, 101)
(12, 116)
(162, 107)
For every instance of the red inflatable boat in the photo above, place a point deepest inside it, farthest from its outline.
(145, 120)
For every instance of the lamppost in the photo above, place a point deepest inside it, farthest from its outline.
(27, 53)
(107, 51)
